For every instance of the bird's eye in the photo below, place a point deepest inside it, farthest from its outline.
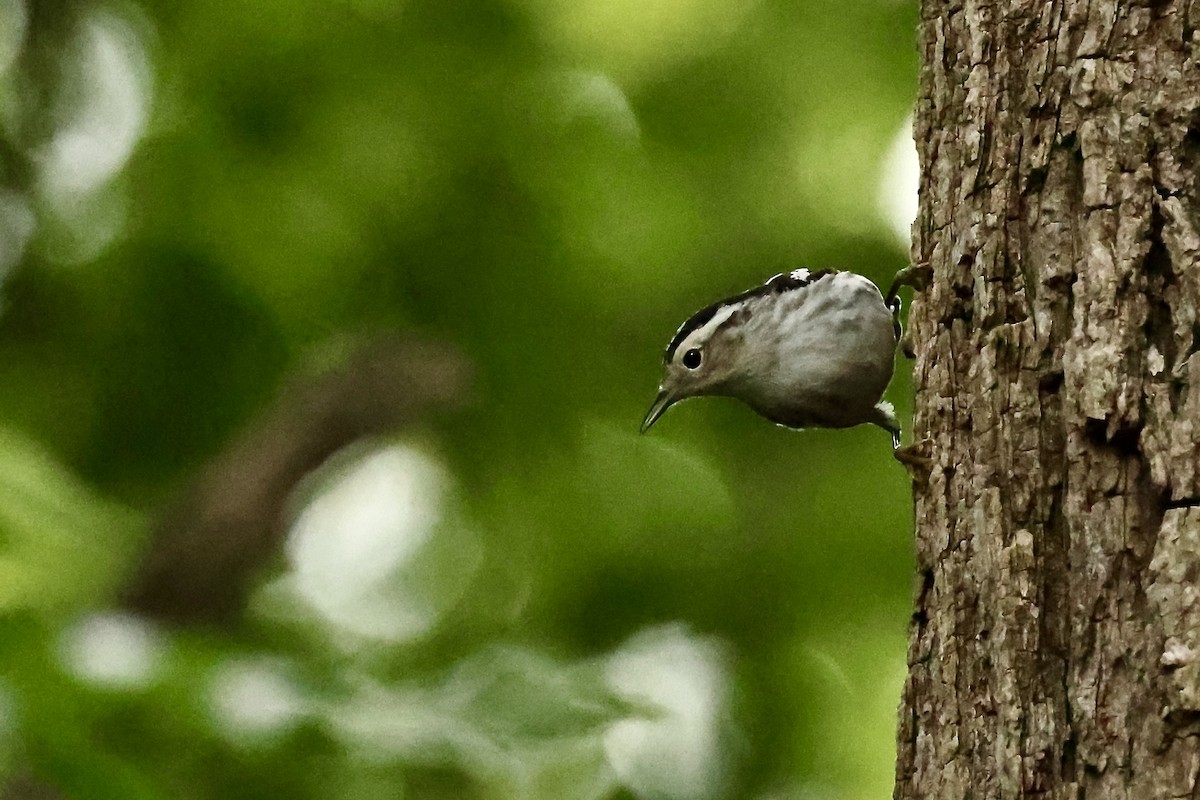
(691, 359)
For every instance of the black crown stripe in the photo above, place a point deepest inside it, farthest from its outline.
(784, 282)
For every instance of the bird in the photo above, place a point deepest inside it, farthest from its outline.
(806, 349)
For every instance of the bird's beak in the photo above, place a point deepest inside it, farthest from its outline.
(661, 403)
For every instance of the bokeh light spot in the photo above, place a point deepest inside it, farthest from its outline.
(112, 650)
(254, 699)
(102, 110)
(899, 179)
(17, 224)
(113, 76)
(639, 38)
(594, 97)
(354, 547)
(677, 752)
(14, 20)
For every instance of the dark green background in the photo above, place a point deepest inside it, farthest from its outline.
(552, 186)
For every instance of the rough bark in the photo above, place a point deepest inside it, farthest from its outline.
(1054, 648)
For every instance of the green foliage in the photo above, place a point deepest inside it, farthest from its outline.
(63, 548)
(199, 201)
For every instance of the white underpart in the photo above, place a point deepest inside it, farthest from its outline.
(825, 349)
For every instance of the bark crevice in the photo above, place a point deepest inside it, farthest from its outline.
(1055, 649)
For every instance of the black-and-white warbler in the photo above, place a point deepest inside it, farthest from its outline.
(805, 350)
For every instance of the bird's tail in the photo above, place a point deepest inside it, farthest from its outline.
(886, 418)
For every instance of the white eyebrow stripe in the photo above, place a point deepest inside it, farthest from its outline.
(707, 329)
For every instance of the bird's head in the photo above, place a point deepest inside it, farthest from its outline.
(704, 358)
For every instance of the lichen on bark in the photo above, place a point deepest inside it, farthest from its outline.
(1054, 646)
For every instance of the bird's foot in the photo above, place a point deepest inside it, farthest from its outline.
(916, 458)
(916, 276)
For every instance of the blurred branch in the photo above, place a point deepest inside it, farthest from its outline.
(210, 544)
(26, 787)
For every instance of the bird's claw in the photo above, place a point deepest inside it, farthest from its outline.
(916, 458)
(916, 276)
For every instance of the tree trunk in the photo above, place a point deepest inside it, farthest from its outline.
(1055, 648)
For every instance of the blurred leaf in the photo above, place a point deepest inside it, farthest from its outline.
(61, 545)
(509, 716)
(551, 186)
